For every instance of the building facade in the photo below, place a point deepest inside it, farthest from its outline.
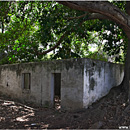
(76, 82)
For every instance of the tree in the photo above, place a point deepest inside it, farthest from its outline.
(66, 32)
(18, 38)
(107, 10)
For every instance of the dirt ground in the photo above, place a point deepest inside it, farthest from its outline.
(111, 112)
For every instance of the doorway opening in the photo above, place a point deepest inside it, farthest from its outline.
(56, 90)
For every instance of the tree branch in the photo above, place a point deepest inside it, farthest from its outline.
(104, 8)
(70, 18)
(101, 10)
(96, 16)
(55, 46)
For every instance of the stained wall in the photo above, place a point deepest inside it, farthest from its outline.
(83, 81)
(99, 78)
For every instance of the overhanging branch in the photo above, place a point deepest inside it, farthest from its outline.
(55, 46)
(106, 9)
(78, 17)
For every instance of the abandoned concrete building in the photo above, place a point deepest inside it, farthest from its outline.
(77, 82)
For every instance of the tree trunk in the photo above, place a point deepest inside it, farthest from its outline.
(2, 27)
(126, 81)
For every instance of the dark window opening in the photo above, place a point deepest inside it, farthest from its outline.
(26, 81)
(57, 90)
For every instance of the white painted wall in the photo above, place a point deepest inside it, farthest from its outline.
(105, 76)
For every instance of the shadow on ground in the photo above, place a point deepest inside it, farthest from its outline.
(110, 112)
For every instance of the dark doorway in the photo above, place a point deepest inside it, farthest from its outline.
(57, 90)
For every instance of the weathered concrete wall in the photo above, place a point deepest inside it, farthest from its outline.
(99, 78)
(11, 82)
(83, 81)
(41, 92)
(71, 82)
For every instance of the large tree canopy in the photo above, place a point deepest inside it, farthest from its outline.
(42, 27)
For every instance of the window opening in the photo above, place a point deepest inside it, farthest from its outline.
(26, 81)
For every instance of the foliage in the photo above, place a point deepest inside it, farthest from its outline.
(31, 28)
(18, 40)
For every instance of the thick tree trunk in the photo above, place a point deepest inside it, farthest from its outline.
(126, 81)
